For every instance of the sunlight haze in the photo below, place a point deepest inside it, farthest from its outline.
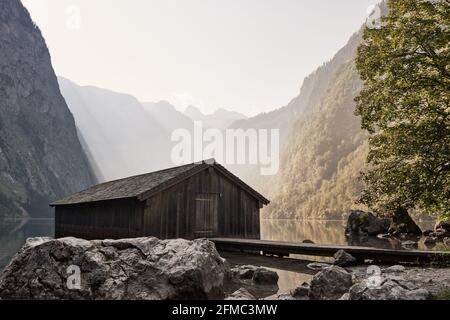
(248, 56)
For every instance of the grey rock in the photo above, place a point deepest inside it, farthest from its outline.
(418, 294)
(301, 292)
(429, 240)
(243, 272)
(345, 296)
(344, 259)
(317, 266)
(330, 283)
(263, 276)
(362, 223)
(241, 294)
(285, 296)
(443, 225)
(388, 290)
(395, 269)
(446, 241)
(143, 268)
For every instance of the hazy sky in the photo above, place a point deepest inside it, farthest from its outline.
(244, 55)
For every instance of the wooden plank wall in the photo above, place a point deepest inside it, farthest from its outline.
(171, 213)
(168, 214)
(100, 220)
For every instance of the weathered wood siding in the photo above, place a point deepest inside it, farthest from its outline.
(100, 220)
(172, 213)
(226, 211)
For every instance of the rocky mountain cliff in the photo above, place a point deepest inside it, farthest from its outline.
(41, 158)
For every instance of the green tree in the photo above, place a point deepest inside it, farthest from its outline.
(405, 105)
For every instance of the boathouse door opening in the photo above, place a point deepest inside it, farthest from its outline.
(206, 215)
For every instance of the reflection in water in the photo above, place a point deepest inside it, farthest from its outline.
(14, 232)
(289, 280)
(323, 232)
(330, 232)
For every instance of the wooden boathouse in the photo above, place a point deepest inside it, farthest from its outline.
(196, 200)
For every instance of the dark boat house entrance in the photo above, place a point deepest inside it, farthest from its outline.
(192, 201)
(206, 215)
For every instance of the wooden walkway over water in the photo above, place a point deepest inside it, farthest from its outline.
(361, 253)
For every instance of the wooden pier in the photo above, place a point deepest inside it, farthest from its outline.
(280, 248)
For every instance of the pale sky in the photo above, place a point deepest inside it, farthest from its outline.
(244, 55)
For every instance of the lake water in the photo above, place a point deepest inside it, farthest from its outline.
(13, 234)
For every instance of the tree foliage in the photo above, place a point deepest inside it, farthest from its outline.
(405, 105)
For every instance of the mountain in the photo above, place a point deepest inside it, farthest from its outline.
(167, 116)
(41, 158)
(194, 113)
(325, 149)
(323, 157)
(220, 119)
(118, 135)
(289, 119)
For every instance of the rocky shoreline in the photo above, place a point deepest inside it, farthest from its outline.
(153, 269)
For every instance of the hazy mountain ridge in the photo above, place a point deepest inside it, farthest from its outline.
(288, 119)
(41, 158)
(122, 136)
(220, 119)
(119, 136)
(168, 116)
(311, 91)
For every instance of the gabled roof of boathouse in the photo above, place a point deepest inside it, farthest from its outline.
(143, 186)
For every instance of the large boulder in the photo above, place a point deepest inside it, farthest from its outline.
(402, 223)
(362, 223)
(141, 268)
(330, 283)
